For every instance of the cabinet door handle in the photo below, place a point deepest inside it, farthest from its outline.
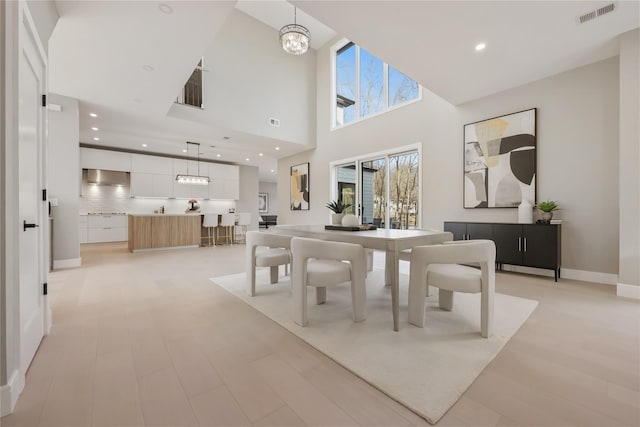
(519, 244)
(107, 228)
(525, 244)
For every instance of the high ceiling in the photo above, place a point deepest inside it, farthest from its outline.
(127, 60)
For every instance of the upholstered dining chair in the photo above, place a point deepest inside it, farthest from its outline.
(439, 266)
(324, 264)
(244, 221)
(227, 223)
(266, 250)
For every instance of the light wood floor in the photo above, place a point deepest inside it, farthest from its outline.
(147, 339)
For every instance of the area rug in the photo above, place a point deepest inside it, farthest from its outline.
(425, 369)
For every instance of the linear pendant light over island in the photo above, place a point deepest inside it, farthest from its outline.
(193, 179)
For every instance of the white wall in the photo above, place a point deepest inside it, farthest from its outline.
(249, 79)
(271, 188)
(45, 15)
(63, 178)
(577, 156)
(629, 175)
(248, 201)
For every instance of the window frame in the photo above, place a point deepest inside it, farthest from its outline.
(333, 125)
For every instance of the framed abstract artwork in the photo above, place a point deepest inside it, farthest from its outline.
(263, 202)
(300, 187)
(500, 161)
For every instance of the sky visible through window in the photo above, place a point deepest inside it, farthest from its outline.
(369, 98)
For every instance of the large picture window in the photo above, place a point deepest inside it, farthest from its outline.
(365, 85)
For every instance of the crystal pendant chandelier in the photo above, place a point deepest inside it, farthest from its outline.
(295, 38)
(193, 179)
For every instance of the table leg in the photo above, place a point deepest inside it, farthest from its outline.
(392, 266)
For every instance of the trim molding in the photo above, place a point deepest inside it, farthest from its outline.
(628, 291)
(9, 395)
(67, 263)
(568, 273)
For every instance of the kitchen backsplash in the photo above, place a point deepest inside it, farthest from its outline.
(102, 198)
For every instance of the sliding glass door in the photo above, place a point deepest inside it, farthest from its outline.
(383, 190)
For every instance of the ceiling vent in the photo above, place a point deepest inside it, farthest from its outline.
(596, 13)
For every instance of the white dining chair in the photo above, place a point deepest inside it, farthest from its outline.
(227, 222)
(324, 264)
(209, 222)
(439, 266)
(266, 250)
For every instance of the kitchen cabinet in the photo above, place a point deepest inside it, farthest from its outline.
(151, 185)
(224, 189)
(163, 231)
(91, 158)
(528, 245)
(83, 229)
(152, 164)
(106, 228)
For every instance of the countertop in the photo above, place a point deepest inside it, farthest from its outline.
(166, 214)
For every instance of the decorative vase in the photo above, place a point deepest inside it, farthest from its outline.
(336, 218)
(525, 212)
(350, 220)
(546, 216)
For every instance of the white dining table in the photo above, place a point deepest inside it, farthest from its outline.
(391, 241)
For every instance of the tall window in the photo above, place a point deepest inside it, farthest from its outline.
(366, 85)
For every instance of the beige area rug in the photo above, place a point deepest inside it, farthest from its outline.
(426, 370)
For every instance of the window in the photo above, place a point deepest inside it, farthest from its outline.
(383, 188)
(366, 85)
(192, 92)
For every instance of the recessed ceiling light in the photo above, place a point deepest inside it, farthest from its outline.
(93, 114)
(94, 128)
(165, 8)
(144, 145)
(277, 148)
(480, 46)
(247, 159)
(96, 139)
(147, 67)
(184, 151)
(272, 171)
(218, 155)
(261, 154)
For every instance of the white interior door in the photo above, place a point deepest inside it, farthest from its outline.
(30, 143)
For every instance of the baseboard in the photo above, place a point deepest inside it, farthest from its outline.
(67, 263)
(628, 291)
(567, 273)
(9, 395)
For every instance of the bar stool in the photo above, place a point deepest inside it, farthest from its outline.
(209, 222)
(244, 220)
(227, 222)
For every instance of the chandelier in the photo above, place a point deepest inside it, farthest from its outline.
(193, 179)
(295, 38)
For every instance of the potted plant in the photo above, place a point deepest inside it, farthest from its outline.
(338, 208)
(547, 207)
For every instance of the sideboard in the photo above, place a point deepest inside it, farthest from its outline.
(527, 245)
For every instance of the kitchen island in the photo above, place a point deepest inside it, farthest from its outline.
(163, 231)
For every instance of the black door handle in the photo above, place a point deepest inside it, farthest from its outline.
(26, 225)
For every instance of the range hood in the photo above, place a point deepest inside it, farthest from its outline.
(106, 177)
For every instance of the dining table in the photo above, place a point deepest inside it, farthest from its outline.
(391, 241)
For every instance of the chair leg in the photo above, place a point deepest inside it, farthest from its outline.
(445, 299)
(321, 295)
(417, 295)
(274, 274)
(299, 297)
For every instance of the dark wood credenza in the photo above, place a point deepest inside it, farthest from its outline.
(527, 245)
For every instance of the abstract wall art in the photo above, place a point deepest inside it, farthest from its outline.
(300, 187)
(263, 202)
(500, 161)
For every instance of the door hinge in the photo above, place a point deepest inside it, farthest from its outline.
(44, 100)
(44, 288)
(44, 194)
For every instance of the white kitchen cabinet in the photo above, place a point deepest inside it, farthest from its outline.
(83, 229)
(151, 164)
(190, 167)
(141, 184)
(91, 158)
(224, 189)
(190, 191)
(163, 185)
(107, 228)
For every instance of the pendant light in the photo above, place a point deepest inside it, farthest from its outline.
(193, 179)
(294, 38)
